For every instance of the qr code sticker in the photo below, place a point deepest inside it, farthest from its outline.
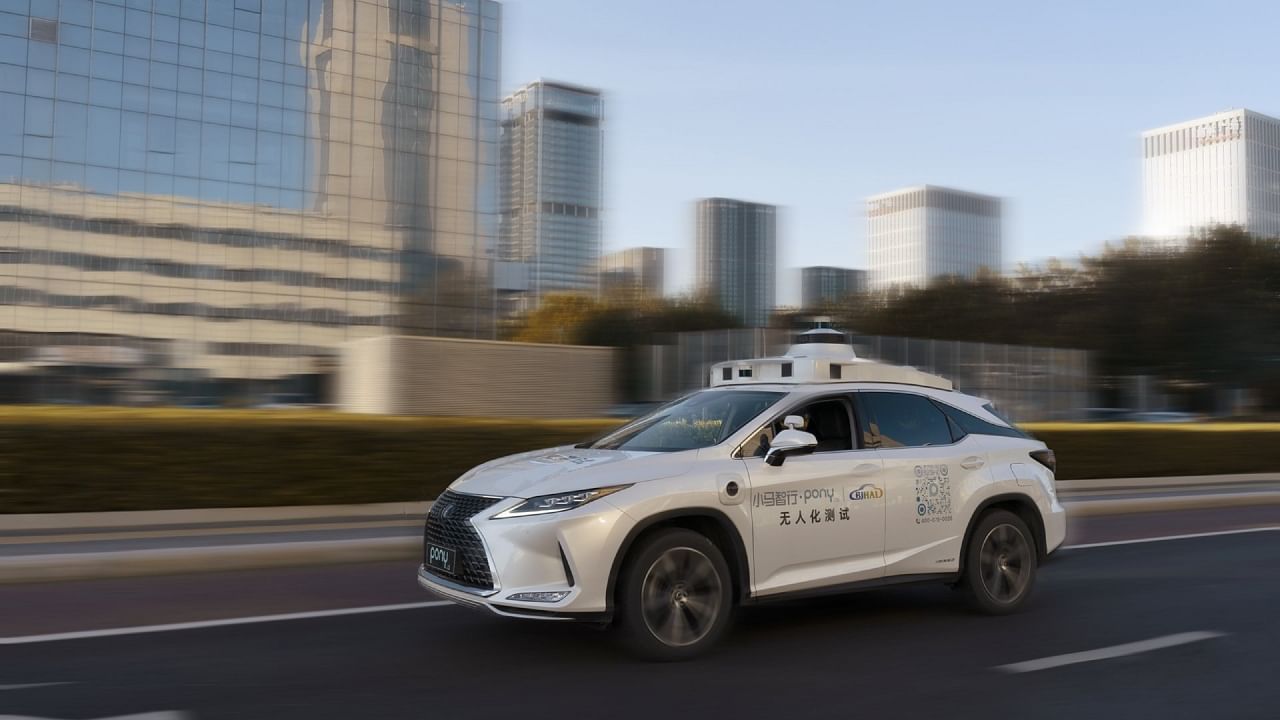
(933, 493)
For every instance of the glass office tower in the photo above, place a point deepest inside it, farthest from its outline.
(736, 257)
(201, 201)
(552, 189)
(823, 285)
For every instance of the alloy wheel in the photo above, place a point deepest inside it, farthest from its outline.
(681, 596)
(1005, 563)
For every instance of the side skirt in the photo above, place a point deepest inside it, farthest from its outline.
(853, 587)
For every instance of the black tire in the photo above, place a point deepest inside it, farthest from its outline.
(674, 596)
(1000, 563)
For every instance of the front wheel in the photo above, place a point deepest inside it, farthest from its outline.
(675, 596)
(1000, 563)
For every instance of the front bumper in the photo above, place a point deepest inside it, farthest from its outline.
(571, 552)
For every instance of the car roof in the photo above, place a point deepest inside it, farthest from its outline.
(820, 357)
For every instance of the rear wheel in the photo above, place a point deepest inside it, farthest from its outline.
(1000, 563)
(674, 596)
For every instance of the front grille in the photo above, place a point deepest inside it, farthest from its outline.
(449, 526)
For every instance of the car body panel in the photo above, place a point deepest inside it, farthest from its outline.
(931, 495)
(817, 519)
(567, 468)
(886, 536)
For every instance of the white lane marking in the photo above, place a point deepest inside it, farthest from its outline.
(84, 634)
(1163, 538)
(1107, 653)
(24, 686)
(161, 715)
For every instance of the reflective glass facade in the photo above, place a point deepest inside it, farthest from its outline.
(822, 285)
(206, 199)
(638, 271)
(552, 148)
(736, 250)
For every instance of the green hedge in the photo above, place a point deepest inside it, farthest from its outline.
(1116, 450)
(68, 460)
(88, 459)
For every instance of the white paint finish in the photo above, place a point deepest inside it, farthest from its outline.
(1107, 653)
(803, 553)
(1022, 473)
(930, 541)
(201, 624)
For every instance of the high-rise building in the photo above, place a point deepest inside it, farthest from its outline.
(736, 264)
(208, 198)
(552, 150)
(918, 234)
(638, 270)
(823, 285)
(1223, 169)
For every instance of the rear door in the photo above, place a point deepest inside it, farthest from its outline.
(817, 519)
(931, 471)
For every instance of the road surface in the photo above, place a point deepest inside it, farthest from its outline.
(1181, 628)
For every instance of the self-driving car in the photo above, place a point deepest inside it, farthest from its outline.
(812, 472)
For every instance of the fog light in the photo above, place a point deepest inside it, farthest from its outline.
(548, 597)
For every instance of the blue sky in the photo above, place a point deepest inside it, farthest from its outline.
(813, 106)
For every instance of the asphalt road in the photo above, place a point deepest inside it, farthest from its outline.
(906, 652)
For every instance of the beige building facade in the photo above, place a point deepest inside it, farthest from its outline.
(442, 376)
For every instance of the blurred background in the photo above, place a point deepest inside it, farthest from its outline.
(273, 273)
(264, 204)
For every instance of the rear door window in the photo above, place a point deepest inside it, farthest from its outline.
(906, 420)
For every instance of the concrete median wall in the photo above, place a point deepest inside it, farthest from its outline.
(402, 375)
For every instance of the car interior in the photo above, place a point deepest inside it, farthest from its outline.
(828, 420)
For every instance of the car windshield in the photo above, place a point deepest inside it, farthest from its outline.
(699, 420)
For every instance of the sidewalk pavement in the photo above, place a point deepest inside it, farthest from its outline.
(66, 546)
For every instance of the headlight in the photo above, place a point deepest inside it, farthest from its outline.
(544, 504)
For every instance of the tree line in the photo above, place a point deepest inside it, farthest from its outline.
(1201, 316)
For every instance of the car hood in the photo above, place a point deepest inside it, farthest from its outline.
(566, 469)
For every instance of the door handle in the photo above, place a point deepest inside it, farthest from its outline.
(972, 463)
(866, 469)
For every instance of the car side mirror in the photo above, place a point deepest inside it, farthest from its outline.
(789, 442)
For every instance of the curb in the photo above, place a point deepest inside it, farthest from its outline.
(132, 563)
(171, 561)
(142, 519)
(1122, 506)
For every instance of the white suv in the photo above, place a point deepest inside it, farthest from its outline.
(813, 472)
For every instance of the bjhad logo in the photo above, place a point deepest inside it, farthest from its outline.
(866, 492)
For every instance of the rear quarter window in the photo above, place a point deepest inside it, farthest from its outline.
(973, 425)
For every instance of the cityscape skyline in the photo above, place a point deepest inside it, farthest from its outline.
(298, 149)
(992, 98)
